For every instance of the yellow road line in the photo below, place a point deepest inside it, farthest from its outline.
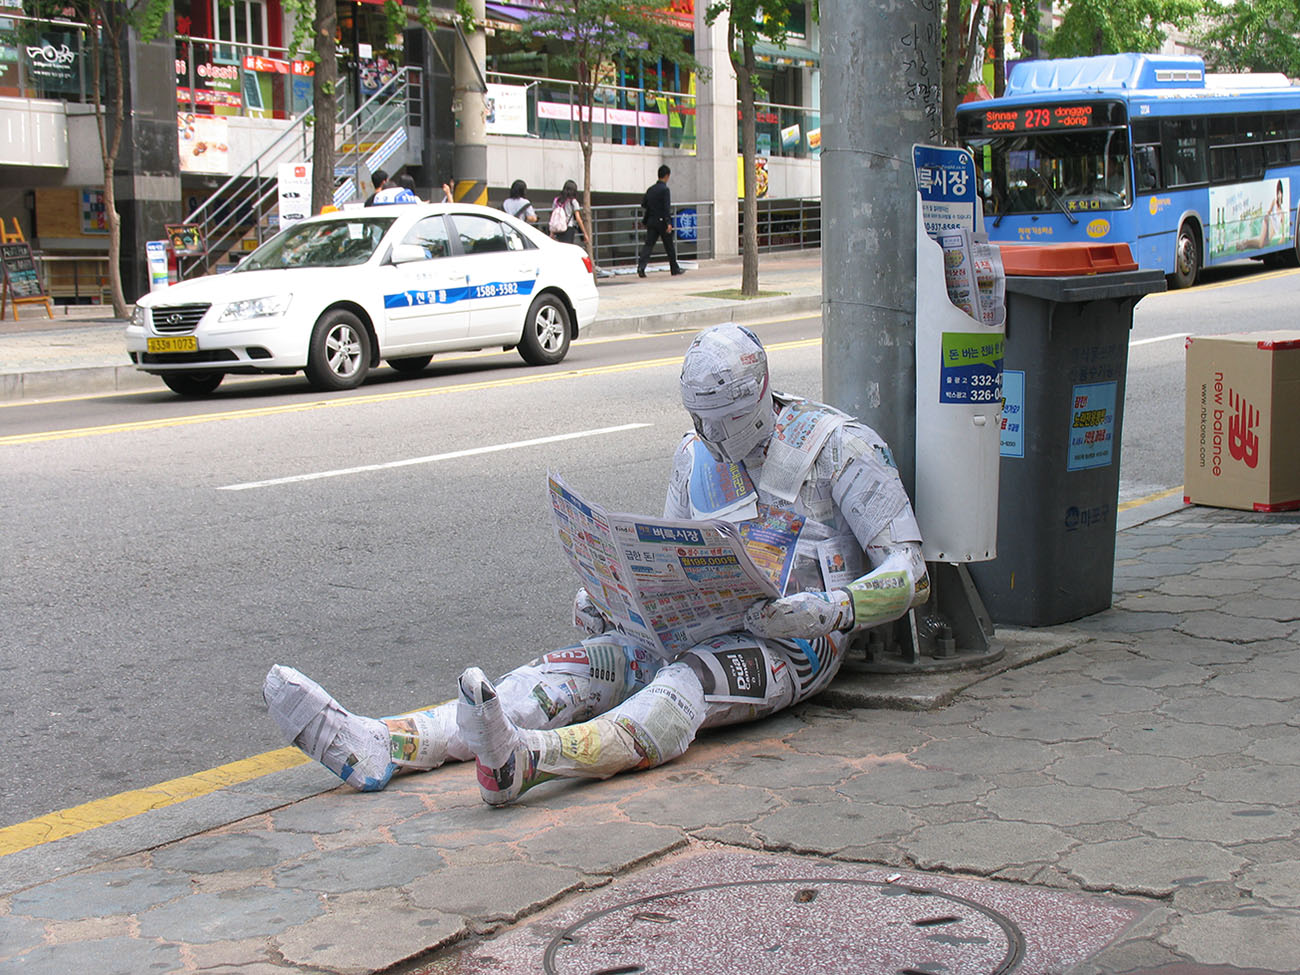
(287, 408)
(101, 812)
(1158, 496)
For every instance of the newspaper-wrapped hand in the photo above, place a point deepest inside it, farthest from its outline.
(804, 615)
(587, 615)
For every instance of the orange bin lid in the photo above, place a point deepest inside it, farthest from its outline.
(1060, 260)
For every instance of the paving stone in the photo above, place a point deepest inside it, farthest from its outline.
(502, 891)
(782, 770)
(450, 829)
(363, 934)
(829, 827)
(1147, 602)
(1149, 865)
(1040, 724)
(601, 849)
(1220, 822)
(1263, 607)
(1259, 783)
(986, 846)
(985, 753)
(1139, 671)
(694, 805)
(1281, 750)
(1277, 884)
(1099, 697)
(1156, 734)
(1246, 938)
(1127, 621)
(1191, 585)
(17, 934)
(230, 915)
(871, 733)
(1237, 570)
(1222, 626)
(115, 956)
(903, 784)
(101, 893)
(358, 868)
(1060, 805)
(1228, 711)
(1257, 682)
(1184, 649)
(1127, 773)
(216, 853)
(344, 810)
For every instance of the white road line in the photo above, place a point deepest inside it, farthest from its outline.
(471, 452)
(1158, 338)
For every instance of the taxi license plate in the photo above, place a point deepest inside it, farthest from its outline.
(179, 343)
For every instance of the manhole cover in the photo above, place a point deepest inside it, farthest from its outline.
(774, 926)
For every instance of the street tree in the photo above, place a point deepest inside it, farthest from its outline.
(748, 22)
(1251, 35)
(593, 39)
(973, 31)
(109, 24)
(1091, 27)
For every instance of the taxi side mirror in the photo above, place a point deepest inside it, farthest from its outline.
(406, 253)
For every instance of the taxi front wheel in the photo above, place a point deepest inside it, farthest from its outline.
(546, 332)
(193, 383)
(339, 354)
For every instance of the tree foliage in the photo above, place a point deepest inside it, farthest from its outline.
(109, 27)
(592, 39)
(1252, 35)
(973, 33)
(1116, 26)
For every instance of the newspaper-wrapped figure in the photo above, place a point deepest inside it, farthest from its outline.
(786, 528)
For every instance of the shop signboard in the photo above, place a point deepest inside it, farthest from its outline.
(19, 267)
(203, 143)
(295, 192)
(186, 239)
(52, 62)
(157, 254)
(945, 177)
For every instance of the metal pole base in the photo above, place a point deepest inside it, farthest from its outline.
(950, 631)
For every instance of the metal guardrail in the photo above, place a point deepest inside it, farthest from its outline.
(74, 277)
(783, 225)
(246, 200)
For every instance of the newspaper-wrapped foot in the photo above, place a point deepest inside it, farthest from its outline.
(354, 748)
(506, 765)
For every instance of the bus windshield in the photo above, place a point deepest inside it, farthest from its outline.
(1055, 171)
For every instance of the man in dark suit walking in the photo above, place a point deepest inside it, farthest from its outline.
(658, 222)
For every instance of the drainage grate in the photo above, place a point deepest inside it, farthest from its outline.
(795, 925)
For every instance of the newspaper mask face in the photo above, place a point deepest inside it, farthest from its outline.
(725, 389)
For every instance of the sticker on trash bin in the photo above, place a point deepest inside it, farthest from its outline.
(1012, 442)
(1092, 426)
(971, 370)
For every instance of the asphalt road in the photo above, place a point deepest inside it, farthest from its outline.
(159, 554)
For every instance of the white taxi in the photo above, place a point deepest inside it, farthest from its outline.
(337, 294)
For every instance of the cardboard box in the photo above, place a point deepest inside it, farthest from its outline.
(1242, 446)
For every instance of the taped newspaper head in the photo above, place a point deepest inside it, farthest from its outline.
(725, 389)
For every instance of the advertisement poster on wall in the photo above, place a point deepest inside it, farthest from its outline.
(1250, 216)
(94, 212)
(295, 192)
(52, 62)
(760, 177)
(507, 109)
(203, 145)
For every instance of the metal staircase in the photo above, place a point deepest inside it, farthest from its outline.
(243, 211)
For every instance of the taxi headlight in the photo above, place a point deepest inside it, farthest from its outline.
(138, 316)
(238, 311)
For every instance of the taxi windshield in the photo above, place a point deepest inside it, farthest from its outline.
(328, 243)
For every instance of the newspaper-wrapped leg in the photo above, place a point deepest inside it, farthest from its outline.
(354, 748)
(651, 727)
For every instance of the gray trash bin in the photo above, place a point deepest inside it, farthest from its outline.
(1065, 361)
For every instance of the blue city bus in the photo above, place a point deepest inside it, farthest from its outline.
(1189, 169)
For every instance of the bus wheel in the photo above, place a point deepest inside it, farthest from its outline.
(1187, 257)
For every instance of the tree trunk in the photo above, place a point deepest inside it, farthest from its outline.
(587, 75)
(109, 146)
(324, 90)
(999, 50)
(952, 39)
(749, 153)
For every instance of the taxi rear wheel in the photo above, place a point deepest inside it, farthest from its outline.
(193, 383)
(339, 354)
(546, 332)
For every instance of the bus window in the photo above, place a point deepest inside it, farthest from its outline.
(1146, 163)
(1276, 151)
(1184, 151)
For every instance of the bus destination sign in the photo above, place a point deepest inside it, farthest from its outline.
(1038, 118)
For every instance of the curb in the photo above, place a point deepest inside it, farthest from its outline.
(81, 380)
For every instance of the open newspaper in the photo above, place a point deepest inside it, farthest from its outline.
(664, 583)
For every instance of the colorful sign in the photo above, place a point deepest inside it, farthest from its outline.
(1092, 426)
(295, 192)
(203, 143)
(94, 212)
(945, 177)
(1250, 217)
(970, 370)
(1012, 442)
(156, 251)
(186, 239)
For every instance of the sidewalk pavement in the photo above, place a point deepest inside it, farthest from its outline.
(1115, 795)
(82, 350)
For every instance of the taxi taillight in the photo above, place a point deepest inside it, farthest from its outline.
(586, 262)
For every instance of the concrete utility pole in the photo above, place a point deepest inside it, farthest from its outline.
(880, 94)
(469, 105)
